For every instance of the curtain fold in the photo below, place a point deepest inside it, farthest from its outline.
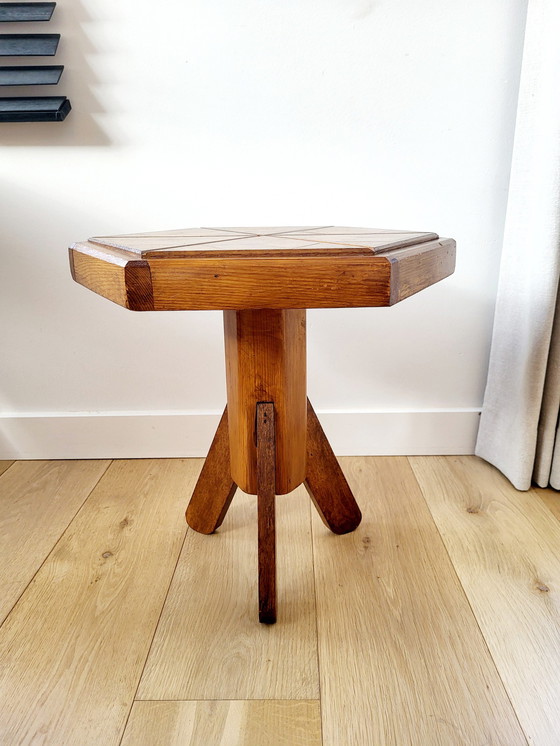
(519, 423)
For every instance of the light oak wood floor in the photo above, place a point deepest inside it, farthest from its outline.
(436, 622)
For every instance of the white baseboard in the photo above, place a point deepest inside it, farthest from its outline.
(86, 435)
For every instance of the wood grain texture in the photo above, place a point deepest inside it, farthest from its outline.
(104, 276)
(399, 655)
(4, 465)
(504, 546)
(414, 269)
(138, 283)
(246, 250)
(73, 647)
(270, 283)
(325, 481)
(402, 659)
(275, 270)
(215, 488)
(209, 643)
(550, 498)
(38, 499)
(219, 723)
(266, 362)
(266, 513)
(123, 281)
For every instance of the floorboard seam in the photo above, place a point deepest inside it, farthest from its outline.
(54, 546)
(8, 468)
(156, 625)
(320, 699)
(235, 699)
(465, 594)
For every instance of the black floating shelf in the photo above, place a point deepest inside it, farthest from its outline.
(36, 109)
(26, 12)
(41, 75)
(28, 45)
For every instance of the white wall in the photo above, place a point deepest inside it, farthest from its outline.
(387, 113)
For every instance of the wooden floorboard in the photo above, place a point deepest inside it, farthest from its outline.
(4, 465)
(73, 648)
(505, 546)
(209, 643)
(437, 621)
(38, 499)
(219, 723)
(550, 498)
(402, 659)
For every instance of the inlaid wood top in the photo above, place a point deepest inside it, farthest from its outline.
(321, 266)
(303, 240)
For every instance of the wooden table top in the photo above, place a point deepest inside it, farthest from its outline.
(303, 240)
(268, 267)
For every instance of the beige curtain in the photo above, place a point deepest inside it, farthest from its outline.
(519, 422)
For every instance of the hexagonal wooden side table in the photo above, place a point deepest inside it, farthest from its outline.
(269, 440)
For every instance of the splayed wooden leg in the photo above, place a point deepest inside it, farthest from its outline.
(326, 483)
(215, 488)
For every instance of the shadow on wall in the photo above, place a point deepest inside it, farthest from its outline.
(77, 83)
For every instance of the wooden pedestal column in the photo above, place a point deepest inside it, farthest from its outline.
(266, 362)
